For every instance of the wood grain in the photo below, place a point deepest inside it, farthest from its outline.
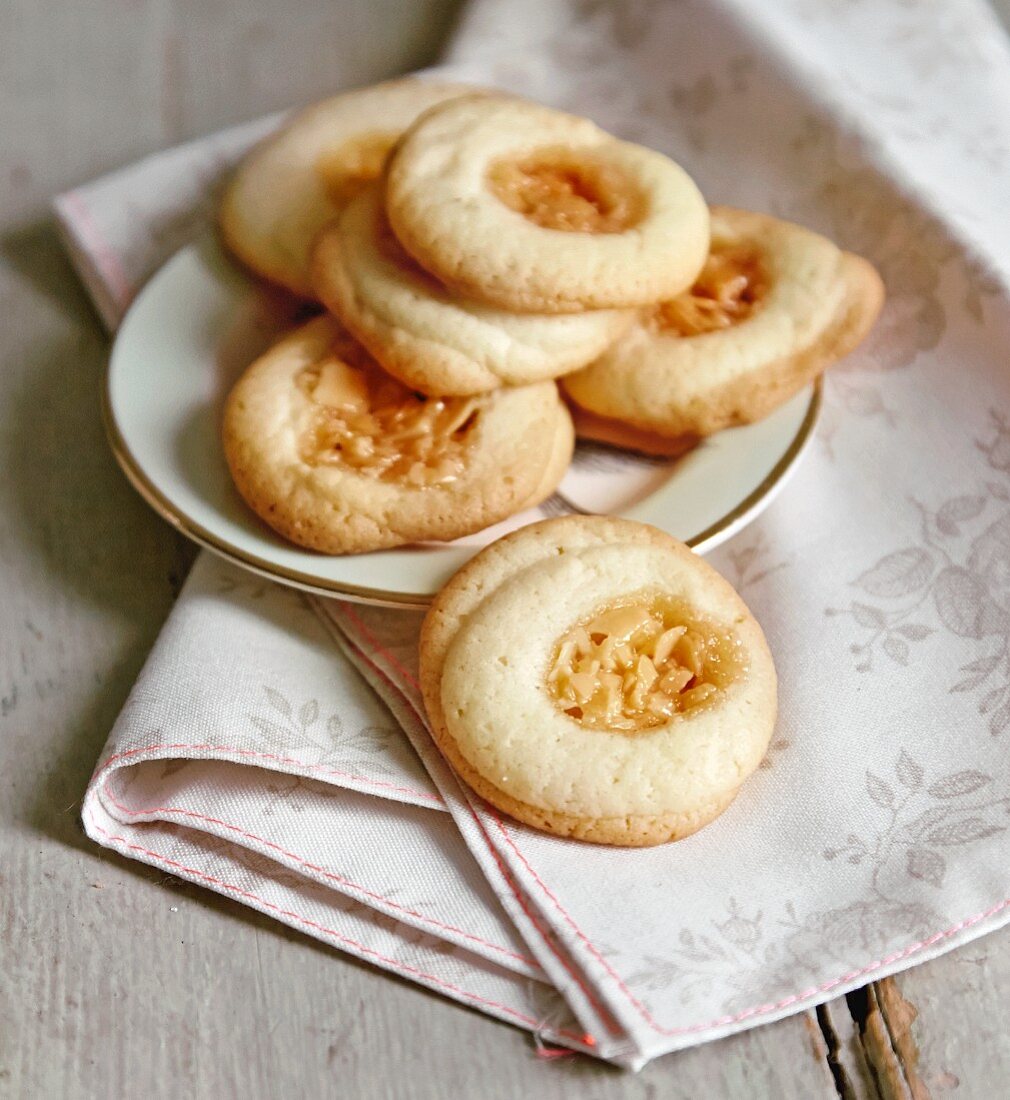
(118, 981)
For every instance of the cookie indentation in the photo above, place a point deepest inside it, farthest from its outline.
(569, 190)
(636, 664)
(728, 290)
(346, 170)
(369, 422)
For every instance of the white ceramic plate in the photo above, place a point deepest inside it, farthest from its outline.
(200, 321)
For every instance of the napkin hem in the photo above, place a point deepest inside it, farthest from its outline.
(614, 1044)
(96, 261)
(129, 850)
(382, 903)
(287, 764)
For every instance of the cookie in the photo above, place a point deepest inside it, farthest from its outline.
(296, 180)
(338, 457)
(774, 307)
(595, 679)
(535, 210)
(429, 337)
(615, 433)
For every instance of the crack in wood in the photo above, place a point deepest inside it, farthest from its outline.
(898, 1015)
(871, 1051)
(876, 1040)
(818, 1046)
(843, 1084)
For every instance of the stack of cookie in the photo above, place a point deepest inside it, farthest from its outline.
(474, 252)
(470, 249)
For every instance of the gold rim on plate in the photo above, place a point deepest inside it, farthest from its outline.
(358, 593)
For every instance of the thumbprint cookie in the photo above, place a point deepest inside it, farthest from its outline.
(295, 181)
(594, 678)
(337, 456)
(435, 340)
(535, 210)
(774, 306)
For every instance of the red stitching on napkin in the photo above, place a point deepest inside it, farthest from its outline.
(105, 256)
(604, 1013)
(378, 648)
(578, 931)
(589, 994)
(314, 867)
(277, 759)
(757, 1010)
(393, 963)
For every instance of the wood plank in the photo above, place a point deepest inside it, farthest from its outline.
(947, 1024)
(854, 1076)
(160, 982)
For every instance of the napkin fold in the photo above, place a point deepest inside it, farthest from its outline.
(274, 747)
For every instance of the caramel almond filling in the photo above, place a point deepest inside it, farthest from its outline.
(567, 189)
(634, 665)
(728, 290)
(369, 423)
(344, 171)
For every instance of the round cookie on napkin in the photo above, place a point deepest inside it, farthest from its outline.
(594, 678)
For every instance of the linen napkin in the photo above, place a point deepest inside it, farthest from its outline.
(251, 756)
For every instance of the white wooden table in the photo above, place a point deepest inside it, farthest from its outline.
(116, 981)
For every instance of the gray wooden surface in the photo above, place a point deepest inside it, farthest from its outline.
(115, 981)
